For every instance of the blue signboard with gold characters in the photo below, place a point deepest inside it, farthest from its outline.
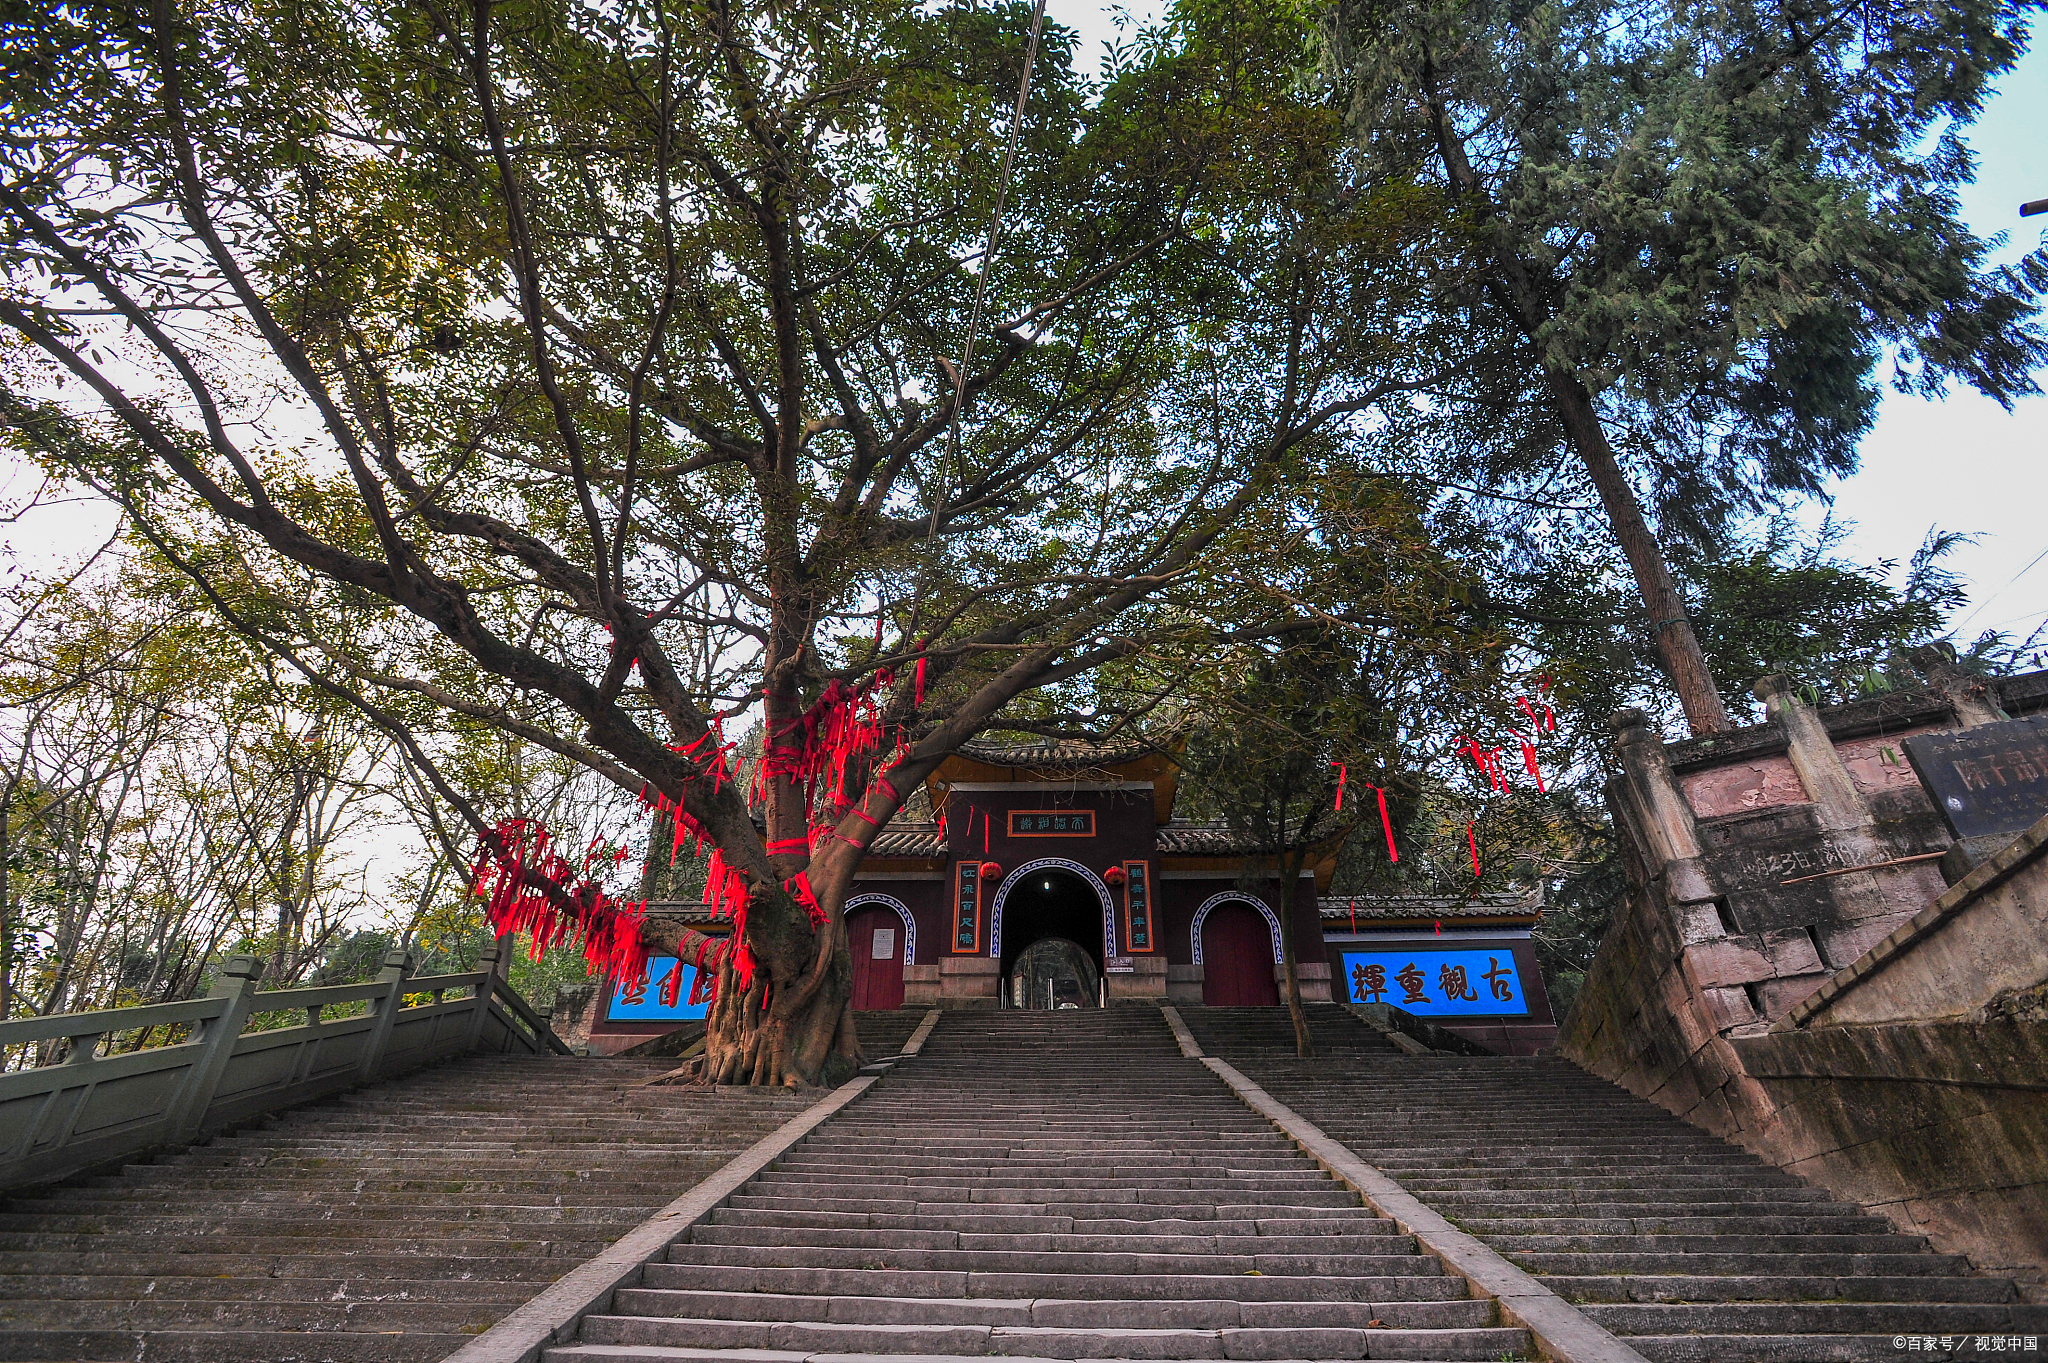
(1437, 983)
(639, 1000)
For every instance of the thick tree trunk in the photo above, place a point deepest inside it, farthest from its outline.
(1290, 872)
(1677, 645)
(785, 1029)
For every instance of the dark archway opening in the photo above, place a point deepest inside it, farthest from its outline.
(1061, 911)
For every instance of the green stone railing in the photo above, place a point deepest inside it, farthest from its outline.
(90, 1109)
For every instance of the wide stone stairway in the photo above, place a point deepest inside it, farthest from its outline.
(1055, 1185)
(389, 1224)
(1690, 1247)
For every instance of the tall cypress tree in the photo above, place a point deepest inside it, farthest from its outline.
(1690, 234)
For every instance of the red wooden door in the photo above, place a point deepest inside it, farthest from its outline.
(1237, 959)
(875, 935)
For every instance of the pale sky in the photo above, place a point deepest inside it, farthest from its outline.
(1961, 464)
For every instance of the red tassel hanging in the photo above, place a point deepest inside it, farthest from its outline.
(799, 887)
(672, 985)
(1387, 825)
(1354, 913)
(1341, 773)
(1529, 761)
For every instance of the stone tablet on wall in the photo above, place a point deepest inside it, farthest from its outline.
(1988, 781)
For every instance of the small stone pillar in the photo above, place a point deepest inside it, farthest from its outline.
(1974, 699)
(1813, 756)
(1661, 813)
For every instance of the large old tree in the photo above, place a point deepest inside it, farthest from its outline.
(623, 372)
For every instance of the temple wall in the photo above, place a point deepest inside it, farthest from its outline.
(1754, 881)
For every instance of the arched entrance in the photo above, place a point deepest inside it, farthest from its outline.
(1235, 942)
(1054, 973)
(1052, 944)
(878, 935)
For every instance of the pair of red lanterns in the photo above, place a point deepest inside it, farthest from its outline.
(991, 870)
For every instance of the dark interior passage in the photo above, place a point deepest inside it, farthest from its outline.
(1052, 941)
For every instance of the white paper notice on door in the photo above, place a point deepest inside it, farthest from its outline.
(885, 945)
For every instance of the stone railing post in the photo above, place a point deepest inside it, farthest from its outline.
(1813, 756)
(217, 1038)
(1974, 699)
(495, 964)
(1669, 828)
(396, 966)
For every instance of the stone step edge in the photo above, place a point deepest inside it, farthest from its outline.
(553, 1317)
(1563, 1334)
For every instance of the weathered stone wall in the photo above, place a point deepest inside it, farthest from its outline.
(1761, 863)
(1916, 1081)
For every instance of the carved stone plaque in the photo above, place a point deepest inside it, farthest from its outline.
(1988, 781)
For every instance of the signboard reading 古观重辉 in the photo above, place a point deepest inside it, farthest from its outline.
(1437, 983)
(1988, 781)
(639, 999)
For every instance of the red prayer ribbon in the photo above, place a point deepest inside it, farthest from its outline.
(1472, 843)
(1341, 773)
(1386, 824)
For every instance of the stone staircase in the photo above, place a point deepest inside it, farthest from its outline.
(1692, 1248)
(1051, 1185)
(883, 1034)
(388, 1224)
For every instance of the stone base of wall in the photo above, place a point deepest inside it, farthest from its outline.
(1146, 981)
(1940, 1127)
(1315, 981)
(921, 987)
(969, 982)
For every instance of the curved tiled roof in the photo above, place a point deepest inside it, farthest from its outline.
(908, 840)
(1056, 754)
(1204, 840)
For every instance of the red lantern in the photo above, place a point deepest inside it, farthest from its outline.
(990, 870)
(1113, 876)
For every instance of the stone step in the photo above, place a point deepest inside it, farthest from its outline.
(1684, 1222)
(1695, 1288)
(1126, 1209)
(1150, 1313)
(977, 1218)
(201, 1345)
(1795, 1264)
(19, 1287)
(1396, 1262)
(1423, 1280)
(1820, 1318)
(1386, 1241)
(1069, 1342)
